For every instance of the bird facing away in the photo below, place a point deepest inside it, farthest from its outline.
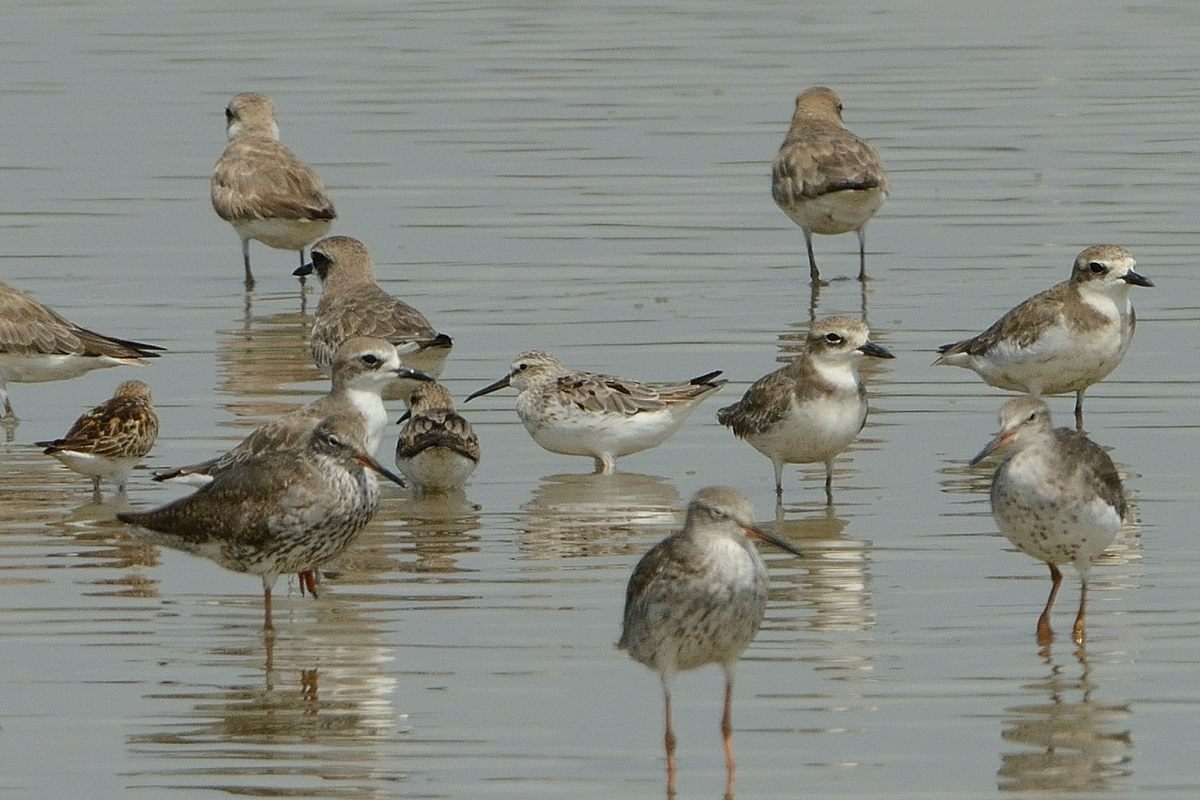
(583, 414)
(1056, 496)
(108, 441)
(437, 449)
(260, 188)
(363, 368)
(37, 344)
(698, 597)
(353, 304)
(1063, 339)
(813, 408)
(283, 511)
(825, 178)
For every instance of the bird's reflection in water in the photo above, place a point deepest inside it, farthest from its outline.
(230, 714)
(814, 300)
(101, 542)
(1071, 741)
(590, 515)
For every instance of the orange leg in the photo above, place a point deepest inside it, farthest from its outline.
(727, 734)
(1077, 632)
(1044, 634)
(308, 580)
(669, 741)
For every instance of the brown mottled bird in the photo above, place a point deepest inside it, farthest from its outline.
(262, 189)
(353, 304)
(698, 597)
(37, 344)
(825, 178)
(286, 511)
(108, 441)
(437, 449)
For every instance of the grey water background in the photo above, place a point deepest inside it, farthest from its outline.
(592, 179)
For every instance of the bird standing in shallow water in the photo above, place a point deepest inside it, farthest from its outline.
(698, 597)
(286, 511)
(437, 449)
(1057, 497)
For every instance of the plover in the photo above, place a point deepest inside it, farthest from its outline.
(1057, 497)
(353, 304)
(813, 408)
(437, 449)
(37, 344)
(698, 597)
(1063, 339)
(583, 414)
(260, 188)
(284, 511)
(108, 441)
(364, 366)
(825, 178)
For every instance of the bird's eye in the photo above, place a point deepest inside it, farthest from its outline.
(1097, 268)
(833, 338)
(839, 108)
(333, 439)
(522, 367)
(1031, 417)
(371, 360)
(717, 513)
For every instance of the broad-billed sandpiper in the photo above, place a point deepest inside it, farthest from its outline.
(583, 414)
(1063, 339)
(285, 511)
(36, 344)
(260, 188)
(824, 177)
(363, 368)
(813, 408)
(108, 441)
(437, 449)
(1057, 497)
(698, 597)
(353, 304)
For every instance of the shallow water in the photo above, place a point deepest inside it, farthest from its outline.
(595, 182)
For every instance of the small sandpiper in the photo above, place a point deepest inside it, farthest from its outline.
(1057, 497)
(698, 597)
(284, 511)
(825, 178)
(108, 441)
(437, 449)
(37, 344)
(583, 414)
(353, 304)
(260, 188)
(364, 367)
(813, 408)
(1063, 339)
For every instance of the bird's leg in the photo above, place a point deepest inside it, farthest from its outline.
(605, 464)
(268, 625)
(302, 277)
(96, 495)
(9, 416)
(246, 264)
(669, 740)
(1044, 634)
(1079, 410)
(1077, 631)
(862, 253)
(727, 733)
(813, 272)
(308, 580)
(829, 482)
(778, 480)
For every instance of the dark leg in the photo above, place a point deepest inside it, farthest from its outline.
(727, 734)
(96, 495)
(9, 416)
(669, 740)
(1079, 410)
(1044, 634)
(829, 482)
(862, 253)
(268, 625)
(246, 264)
(813, 272)
(1077, 632)
(778, 479)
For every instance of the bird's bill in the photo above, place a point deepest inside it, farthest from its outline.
(1137, 279)
(303, 269)
(371, 463)
(1002, 438)
(405, 417)
(491, 387)
(410, 374)
(876, 350)
(763, 536)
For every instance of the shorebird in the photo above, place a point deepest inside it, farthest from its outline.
(813, 408)
(1057, 497)
(37, 344)
(1063, 339)
(698, 597)
(284, 511)
(108, 441)
(260, 188)
(353, 304)
(364, 366)
(825, 178)
(583, 414)
(437, 449)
